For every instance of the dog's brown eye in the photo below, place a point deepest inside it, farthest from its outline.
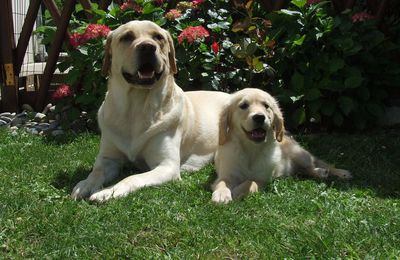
(158, 37)
(244, 105)
(128, 37)
(266, 105)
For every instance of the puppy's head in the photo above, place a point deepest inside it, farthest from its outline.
(253, 115)
(139, 53)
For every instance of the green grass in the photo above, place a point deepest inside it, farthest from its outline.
(292, 217)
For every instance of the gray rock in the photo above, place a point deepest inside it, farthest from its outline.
(13, 128)
(6, 119)
(6, 114)
(18, 121)
(42, 127)
(391, 117)
(3, 123)
(27, 107)
(32, 131)
(40, 117)
(57, 132)
(22, 114)
(47, 108)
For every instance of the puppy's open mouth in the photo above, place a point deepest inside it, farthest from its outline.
(145, 75)
(257, 135)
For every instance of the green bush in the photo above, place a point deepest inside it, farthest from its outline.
(326, 69)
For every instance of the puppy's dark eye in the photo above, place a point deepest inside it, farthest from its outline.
(128, 37)
(266, 105)
(244, 105)
(158, 37)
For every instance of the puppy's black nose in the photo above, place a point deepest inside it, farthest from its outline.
(258, 118)
(146, 48)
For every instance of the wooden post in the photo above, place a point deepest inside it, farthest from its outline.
(9, 90)
(54, 52)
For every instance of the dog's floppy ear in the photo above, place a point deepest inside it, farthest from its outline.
(224, 125)
(105, 70)
(278, 124)
(171, 54)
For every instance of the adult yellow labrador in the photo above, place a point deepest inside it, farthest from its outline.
(146, 118)
(254, 149)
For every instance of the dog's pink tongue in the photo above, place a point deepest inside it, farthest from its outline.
(146, 73)
(257, 134)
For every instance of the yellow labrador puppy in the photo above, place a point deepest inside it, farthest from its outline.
(254, 149)
(146, 118)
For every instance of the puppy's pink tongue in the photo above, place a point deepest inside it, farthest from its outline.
(258, 133)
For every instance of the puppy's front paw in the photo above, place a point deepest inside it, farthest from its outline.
(83, 189)
(343, 174)
(321, 173)
(222, 196)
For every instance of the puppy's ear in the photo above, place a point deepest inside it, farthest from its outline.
(105, 70)
(278, 124)
(224, 125)
(171, 54)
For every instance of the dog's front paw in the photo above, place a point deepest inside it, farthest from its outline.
(83, 189)
(321, 173)
(222, 196)
(119, 190)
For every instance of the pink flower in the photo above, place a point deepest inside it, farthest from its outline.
(61, 92)
(215, 47)
(193, 33)
(361, 16)
(75, 39)
(173, 14)
(130, 4)
(196, 3)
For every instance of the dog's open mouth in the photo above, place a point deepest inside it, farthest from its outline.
(145, 75)
(257, 135)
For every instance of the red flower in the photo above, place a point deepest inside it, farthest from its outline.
(215, 47)
(173, 14)
(193, 33)
(61, 92)
(361, 16)
(130, 4)
(94, 31)
(75, 39)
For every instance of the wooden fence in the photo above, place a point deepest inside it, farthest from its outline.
(12, 53)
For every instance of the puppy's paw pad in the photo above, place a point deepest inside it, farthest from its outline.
(221, 196)
(321, 172)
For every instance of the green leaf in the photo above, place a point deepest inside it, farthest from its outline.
(353, 82)
(338, 119)
(297, 81)
(299, 41)
(346, 104)
(299, 116)
(251, 48)
(299, 3)
(335, 64)
(312, 94)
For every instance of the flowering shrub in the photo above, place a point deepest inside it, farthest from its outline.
(326, 70)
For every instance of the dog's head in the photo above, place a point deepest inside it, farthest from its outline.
(252, 114)
(140, 53)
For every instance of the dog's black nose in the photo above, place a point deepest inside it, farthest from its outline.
(146, 48)
(259, 118)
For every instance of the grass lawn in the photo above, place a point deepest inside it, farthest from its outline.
(292, 217)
